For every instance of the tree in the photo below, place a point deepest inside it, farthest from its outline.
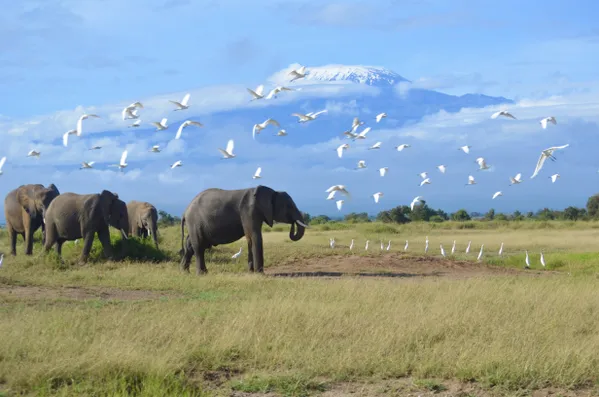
(421, 212)
(573, 213)
(530, 215)
(545, 214)
(398, 214)
(460, 216)
(436, 219)
(166, 219)
(517, 216)
(593, 206)
(500, 217)
(489, 216)
(307, 218)
(356, 217)
(320, 219)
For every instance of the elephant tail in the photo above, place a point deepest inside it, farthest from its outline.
(182, 235)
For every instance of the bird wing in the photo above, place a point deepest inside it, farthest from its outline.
(495, 115)
(91, 163)
(339, 204)
(65, 138)
(340, 151)
(258, 171)
(349, 134)
(272, 93)
(253, 93)
(2, 161)
(185, 99)
(302, 70)
(163, 122)
(223, 152)
(331, 195)
(196, 123)
(260, 90)
(544, 123)
(382, 171)
(273, 122)
(124, 113)
(332, 189)
(540, 163)
(175, 102)
(79, 126)
(157, 124)
(230, 146)
(518, 176)
(364, 131)
(553, 120)
(317, 113)
(301, 116)
(254, 130)
(180, 130)
(281, 88)
(137, 104)
(470, 178)
(123, 158)
(559, 147)
(507, 114)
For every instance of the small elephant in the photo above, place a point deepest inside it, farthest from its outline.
(143, 219)
(216, 216)
(24, 209)
(72, 216)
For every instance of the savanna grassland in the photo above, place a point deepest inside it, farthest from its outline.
(426, 325)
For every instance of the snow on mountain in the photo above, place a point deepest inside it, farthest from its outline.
(369, 75)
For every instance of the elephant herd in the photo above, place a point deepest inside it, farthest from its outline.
(214, 217)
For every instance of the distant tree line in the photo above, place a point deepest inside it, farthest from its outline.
(422, 212)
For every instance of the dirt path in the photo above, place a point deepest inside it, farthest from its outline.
(78, 293)
(393, 265)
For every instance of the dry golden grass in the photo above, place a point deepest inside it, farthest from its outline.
(297, 336)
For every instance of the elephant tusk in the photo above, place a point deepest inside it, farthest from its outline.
(124, 234)
(302, 224)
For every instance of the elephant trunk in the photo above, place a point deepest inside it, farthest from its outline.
(152, 229)
(298, 222)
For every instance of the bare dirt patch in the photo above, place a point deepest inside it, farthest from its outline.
(392, 265)
(78, 293)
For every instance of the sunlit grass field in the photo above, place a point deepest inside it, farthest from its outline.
(231, 331)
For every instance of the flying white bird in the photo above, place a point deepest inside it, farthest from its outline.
(389, 245)
(183, 104)
(237, 254)
(442, 250)
(503, 113)
(376, 146)
(380, 116)
(501, 249)
(402, 147)
(155, 149)
(123, 163)
(259, 127)
(130, 112)
(453, 248)
(298, 73)
(471, 180)
(405, 247)
(468, 247)
(228, 152)
(282, 133)
(542, 259)
(356, 123)
(545, 154)
(441, 168)
(273, 93)
(482, 165)
(548, 119)
(480, 254)
(554, 177)
(95, 148)
(331, 195)
(339, 204)
(362, 134)
(258, 93)
(341, 148)
(527, 260)
(185, 124)
(33, 153)
(176, 164)
(366, 247)
(303, 118)
(338, 188)
(2, 161)
(351, 245)
(423, 175)
(80, 122)
(497, 194)
(465, 149)
(516, 180)
(135, 124)
(383, 171)
(65, 137)
(87, 164)
(417, 199)
(377, 196)
(160, 125)
(426, 181)
(361, 164)
(257, 173)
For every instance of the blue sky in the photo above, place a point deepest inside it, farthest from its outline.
(61, 58)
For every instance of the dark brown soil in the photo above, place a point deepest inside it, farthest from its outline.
(77, 293)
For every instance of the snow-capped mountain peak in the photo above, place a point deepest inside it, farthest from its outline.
(360, 74)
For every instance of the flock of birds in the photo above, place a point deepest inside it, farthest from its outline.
(332, 243)
(130, 112)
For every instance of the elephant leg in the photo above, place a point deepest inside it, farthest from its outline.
(28, 237)
(104, 237)
(199, 252)
(187, 254)
(257, 252)
(12, 235)
(88, 240)
(59, 244)
(51, 238)
(43, 233)
(250, 255)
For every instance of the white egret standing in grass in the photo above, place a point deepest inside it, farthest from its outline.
(480, 254)
(351, 245)
(426, 245)
(405, 247)
(542, 259)
(366, 247)
(389, 245)
(501, 249)
(442, 250)
(468, 247)
(237, 254)
(453, 248)
(527, 261)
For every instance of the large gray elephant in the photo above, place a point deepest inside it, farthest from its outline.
(143, 219)
(72, 216)
(216, 216)
(24, 209)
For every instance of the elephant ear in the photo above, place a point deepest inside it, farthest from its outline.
(53, 188)
(264, 198)
(107, 198)
(25, 201)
